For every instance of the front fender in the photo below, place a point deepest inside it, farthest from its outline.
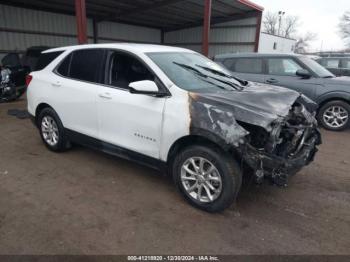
(333, 95)
(216, 124)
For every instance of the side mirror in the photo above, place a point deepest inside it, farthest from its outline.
(145, 87)
(303, 73)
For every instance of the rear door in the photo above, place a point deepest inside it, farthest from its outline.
(74, 89)
(345, 66)
(251, 69)
(282, 72)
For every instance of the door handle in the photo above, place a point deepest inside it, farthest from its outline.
(56, 84)
(105, 96)
(271, 81)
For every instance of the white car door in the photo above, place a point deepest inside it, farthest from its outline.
(129, 121)
(76, 89)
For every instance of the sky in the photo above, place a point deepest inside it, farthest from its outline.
(318, 16)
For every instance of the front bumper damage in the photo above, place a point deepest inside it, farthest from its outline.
(290, 145)
(280, 168)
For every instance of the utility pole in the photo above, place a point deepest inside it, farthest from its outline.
(280, 14)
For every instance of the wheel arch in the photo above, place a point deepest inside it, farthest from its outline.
(337, 96)
(195, 139)
(40, 108)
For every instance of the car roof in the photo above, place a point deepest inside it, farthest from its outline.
(335, 57)
(255, 55)
(132, 47)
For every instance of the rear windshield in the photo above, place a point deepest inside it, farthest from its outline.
(45, 59)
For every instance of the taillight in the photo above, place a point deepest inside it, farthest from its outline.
(28, 79)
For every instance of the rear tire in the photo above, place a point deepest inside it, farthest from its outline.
(334, 115)
(208, 178)
(52, 131)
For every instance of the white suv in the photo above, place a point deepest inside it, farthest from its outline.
(175, 110)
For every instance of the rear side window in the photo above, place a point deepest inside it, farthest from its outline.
(249, 65)
(346, 63)
(229, 63)
(45, 59)
(86, 65)
(332, 63)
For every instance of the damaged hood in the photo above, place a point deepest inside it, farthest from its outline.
(256, 104)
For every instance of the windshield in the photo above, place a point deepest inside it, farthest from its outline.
(194, 72)
(319, 70)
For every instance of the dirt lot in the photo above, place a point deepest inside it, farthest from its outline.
(86, 202)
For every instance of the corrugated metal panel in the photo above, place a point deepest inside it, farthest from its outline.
(189, 35)
(234, 36)
(20, 42)
(39, 23)
(27, 19)
(216, 49)
(246, 21)
(128, 32)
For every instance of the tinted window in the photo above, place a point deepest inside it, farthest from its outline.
(11, 60)
(346, 63)
(282, 66)
(86, 65)
(63, 68)
(332, 63)
(249, 65)
(229, 63)
(125, 69)
(46, 59)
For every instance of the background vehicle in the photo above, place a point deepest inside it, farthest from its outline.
(301, 74)
(174, 109)
(14, 71)
(339, 66)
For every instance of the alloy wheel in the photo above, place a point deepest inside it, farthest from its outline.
(49, 130)
(336, 116)
(201, 179)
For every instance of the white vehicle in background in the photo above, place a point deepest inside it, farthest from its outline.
(175, 110)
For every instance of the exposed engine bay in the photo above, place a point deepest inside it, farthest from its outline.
(286, 149)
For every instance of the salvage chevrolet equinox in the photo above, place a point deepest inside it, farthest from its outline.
(175, 110)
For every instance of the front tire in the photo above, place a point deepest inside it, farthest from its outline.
(208, 178)
(52, 131)
(334, 115)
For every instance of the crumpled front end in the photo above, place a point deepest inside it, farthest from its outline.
(291, 145)
(274, 143)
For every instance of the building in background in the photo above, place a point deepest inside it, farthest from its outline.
(208, 26)
(276, 44)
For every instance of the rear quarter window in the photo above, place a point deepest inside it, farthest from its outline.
(45, 59)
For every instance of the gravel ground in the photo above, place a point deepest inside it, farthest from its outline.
(86, 202)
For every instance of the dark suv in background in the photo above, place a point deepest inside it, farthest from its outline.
(340, 66)
(299, 73)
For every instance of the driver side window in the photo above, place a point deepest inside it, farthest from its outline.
(282, 67)
(124, 69)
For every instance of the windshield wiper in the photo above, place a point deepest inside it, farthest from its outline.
(190, 68)
(199, 73)
(217, 72)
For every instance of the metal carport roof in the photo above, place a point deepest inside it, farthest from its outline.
(166, 15)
